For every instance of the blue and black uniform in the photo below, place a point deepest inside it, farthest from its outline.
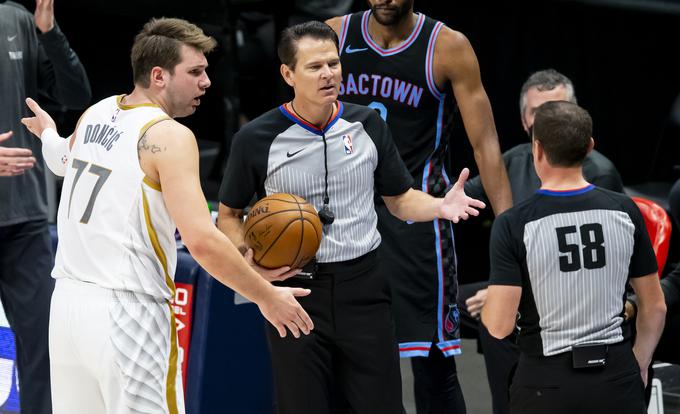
(352, 347)
(572, 253)
(418, 258)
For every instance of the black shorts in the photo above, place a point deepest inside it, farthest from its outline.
(419, 261)
(552, 385)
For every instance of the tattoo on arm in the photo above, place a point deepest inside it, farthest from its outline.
(143, 145)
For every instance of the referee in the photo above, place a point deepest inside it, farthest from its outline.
(335, 155)
(560, 262)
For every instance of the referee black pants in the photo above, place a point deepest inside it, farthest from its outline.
(349, 363)
(550, 385)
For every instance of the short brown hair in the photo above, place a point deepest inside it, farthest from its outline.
(564, 130)
(287, 49)
(159, 44)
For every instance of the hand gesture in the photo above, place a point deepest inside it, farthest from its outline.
(41, 121)
(14, 161)
(476, 303)
(283, 311)
(272, 275)
(458, 206)
(44, 15)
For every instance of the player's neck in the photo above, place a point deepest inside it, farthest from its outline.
(391, 36)
(315, 115)
(561, 179)
(143, 96)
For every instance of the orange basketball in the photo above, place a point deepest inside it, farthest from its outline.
(283, 230)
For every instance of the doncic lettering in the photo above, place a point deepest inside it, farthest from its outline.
(102, 134)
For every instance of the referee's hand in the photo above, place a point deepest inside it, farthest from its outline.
(272, 275)
(283, 311)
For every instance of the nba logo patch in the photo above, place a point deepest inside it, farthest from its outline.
(452, 321)
(347, 140)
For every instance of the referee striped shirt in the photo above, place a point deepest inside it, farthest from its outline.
(281, 153)
(572, 253)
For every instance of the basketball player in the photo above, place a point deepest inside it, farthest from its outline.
(131, 174)
(416, 72)
(335, 155)
(562, 259)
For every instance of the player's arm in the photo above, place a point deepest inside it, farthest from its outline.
(651, 314)
(55, 149)
(414, 205)
(500, 310)
(456, 60)
(168, 154)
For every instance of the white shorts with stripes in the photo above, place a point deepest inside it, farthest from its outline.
(112, 352)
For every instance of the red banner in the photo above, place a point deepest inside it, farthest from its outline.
(182, 305)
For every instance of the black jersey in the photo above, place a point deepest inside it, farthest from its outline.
(398, 83)
(281, 153)
(572, 253)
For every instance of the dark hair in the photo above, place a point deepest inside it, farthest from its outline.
(545, 80)
(159, 44)
(287, 49)
(564, 130)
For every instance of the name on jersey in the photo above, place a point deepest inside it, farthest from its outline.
(102, 134)
(381, 86)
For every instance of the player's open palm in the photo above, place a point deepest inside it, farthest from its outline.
(41, 121)
(457, 205)
(283, 311)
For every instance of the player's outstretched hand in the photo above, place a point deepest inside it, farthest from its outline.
(41, 121)
(14, 161)
(272, 275)
(283, 311)
(458, 206)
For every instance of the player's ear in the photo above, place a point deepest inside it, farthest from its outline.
(591, 145)
(157, 76)
(287, 74)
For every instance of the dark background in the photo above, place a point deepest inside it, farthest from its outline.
(620, 54)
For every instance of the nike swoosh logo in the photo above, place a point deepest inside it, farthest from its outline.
(349, 49)
(10, 38)
(290, 154)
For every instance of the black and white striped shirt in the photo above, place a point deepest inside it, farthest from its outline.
(572, 253)
(279, 152)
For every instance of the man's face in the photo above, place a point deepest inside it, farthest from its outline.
(535, 98)
(390, 12)
(188, 83)
(317, 74)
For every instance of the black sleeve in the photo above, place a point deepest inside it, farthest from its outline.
(61, 76)
(643, 261)
(245, 171)
(392, 178)
(504, 251)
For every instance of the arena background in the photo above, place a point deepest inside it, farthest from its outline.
(620, 54)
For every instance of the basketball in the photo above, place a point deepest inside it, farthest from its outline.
(283, 230)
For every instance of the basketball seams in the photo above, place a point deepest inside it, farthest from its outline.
(275, 238)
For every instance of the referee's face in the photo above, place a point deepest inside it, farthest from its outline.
(317, 74)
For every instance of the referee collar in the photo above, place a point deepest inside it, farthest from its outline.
(310, 127)
(565, 193)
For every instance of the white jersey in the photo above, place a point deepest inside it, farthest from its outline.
(114, 228)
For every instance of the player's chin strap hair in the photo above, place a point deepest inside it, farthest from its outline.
(55, 151)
